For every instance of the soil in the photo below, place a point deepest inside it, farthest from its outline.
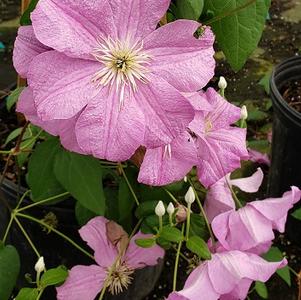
(291, 93)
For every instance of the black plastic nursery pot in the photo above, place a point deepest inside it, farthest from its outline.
(285, 168)
(57, 251)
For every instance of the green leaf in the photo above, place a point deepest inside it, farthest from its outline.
(265, 82)
(41, 178)
(171, 234)
(27, 294)
(13, 135)
(82, 177)
(198, 226)
(238, 26)
(257, 115)
(25, 145)
(54, 276)
(163, 243)
(9, 270)
(274, 254)
(297, 214)
(83, 214)
(13, 98)
(146, 243)
(189, 9)
(146, 209)
(198, 246)
(261, 290)
(25, 19)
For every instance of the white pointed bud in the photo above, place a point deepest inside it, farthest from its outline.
(170, 208)
(160, 209)
(185, 179)
(40, 265)
(190, 196)
(222, 84)
(244, 113)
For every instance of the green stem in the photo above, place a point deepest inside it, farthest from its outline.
(175, 273)
(26, 236)
(22, 199)
(182, 255)
(173, 198)
(203, 212)
(238, 203)
(293, 271)
(188, 221)
(230, 13)
(50, 228)
(222, 92)
(40, 294)
(5, 152)
(43, 201)
(129, 185)
(8, 228)
(160, 223)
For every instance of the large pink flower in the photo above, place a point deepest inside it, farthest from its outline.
(227, 276)
(85, 282)
(251, 228)
(210, 143)
(111, 68)
(219, 196)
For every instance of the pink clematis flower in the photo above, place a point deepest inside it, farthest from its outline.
(258, 157)
(219, 197)
(250, 228)
(109, 68)
(113, 253)
(227, 276)
(210, 143)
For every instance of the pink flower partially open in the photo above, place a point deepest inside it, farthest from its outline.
(219, 197)
(85, 282)
(227, 276)
(251, 228)
(210, 143)
(108, 65)
(258, 157)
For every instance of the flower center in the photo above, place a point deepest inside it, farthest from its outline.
(124, 64)
(120, 278)
(208, 125)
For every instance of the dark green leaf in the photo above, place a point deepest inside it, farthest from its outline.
(149, 193)
(25, 145)
(297, 214)
(54, 276)
(163, 243)
(274, 254)
(189, 9)
(265, 82)
(25, 19)
(9, 270)
(82, 177)
(13, 135)
(257, 115)
(41, 178)
(13, 98)
(261, 289)
(198, 226)
(146, 243)
(238, 27)
(171, 234)
(198, 246)
(83, 214)
(146, 209)
(28, 294)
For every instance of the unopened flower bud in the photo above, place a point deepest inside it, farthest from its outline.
(170, 208)
(244, 113)
(222, 84)
(190, 196)
(160, 209)
(185, 179)
(181, 214)
(40, 265)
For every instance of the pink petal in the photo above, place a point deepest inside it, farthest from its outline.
(64, 128)
(198, 102)
(244, 229)
(219, 153)
(184, 61)
(223, 113)
(276, 209)
(109, 131)
(72, 27)
(95, 234)
(218, 199)
(239, 292)
(249, 184)
(167, 112)
(83, 282)
(26, 48)
(62, 86)
(138, 258)
(176, 296)
(158, 168)
(137, 18)
(258, 157)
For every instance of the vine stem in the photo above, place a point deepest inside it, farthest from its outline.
(57, 232)
(202, 212)
(230, 13)
(129, 184)
(43, 201)
(238, 203)
(173, 198)
(175, 273)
